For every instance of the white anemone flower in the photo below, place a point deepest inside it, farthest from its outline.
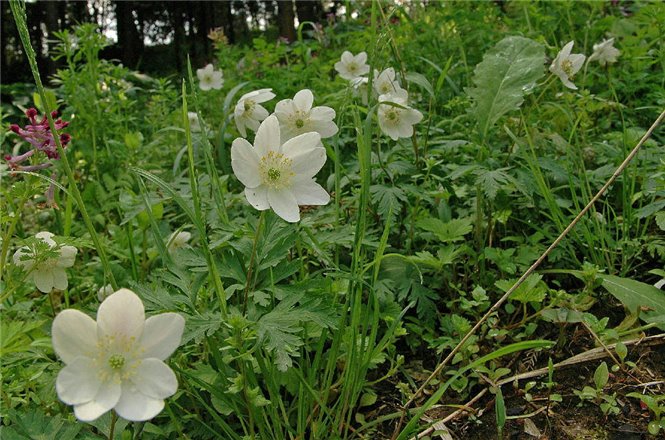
(567, 64)
(209, 78)
(296, 116)
(394, 121)
(605, 52)
(280, 176)
(178, 240)
(386, 82)
(50, 273)
(351, 67)
(248, 113)
(116, 362)
(104, 292)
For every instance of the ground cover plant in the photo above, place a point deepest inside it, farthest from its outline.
(414, 221)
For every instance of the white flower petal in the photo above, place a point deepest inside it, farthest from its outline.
(43, 279)
(263, 95)
(78, 382)
(107, 397)
(121, 313)
(67, 256)
(304, 100)
(137, 407)
(257, 197)
(284, 203)
(347, 57)
(74, 334)
(155, 379)
(59, 278)
(162, 335)
(308, 192)
(245, 163)
(361, 58)
(301, 144)
(46, 237)
(308, 163)
(267, 136)
(283, 108)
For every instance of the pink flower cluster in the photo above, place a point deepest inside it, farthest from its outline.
(39, 135)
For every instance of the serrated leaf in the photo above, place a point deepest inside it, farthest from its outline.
(277, 330)
(507, 72)
(199, 326)
(454, 230)
(491, 181)
(531, 290)
(388, 198)
(638, 296)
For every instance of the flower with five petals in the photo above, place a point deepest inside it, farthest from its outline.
(397, 122)
(209, 78)
(296, 116)
(249, 112)
(605, 52)
(352, 66)
(118, 361)
(567, 64)
(280, 176)
(46, 273)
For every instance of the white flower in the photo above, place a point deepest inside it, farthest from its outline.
(116, 362)
(280, 176)
(605, 52)
(49, 273)
(296, 116)
(248, 112)
(566, 65)
(385, 82)
(394, 121)
(194, 125)
(178, 240)
(104, 292)
(209, 78)
(351, 66)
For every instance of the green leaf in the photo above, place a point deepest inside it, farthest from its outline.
(638, 296)
(531, 290)
(601, 376)
(419, 79)
(492, 181)
(51, 100)
(389, 200)
(454, 230)
(36, 425)
(507, 71)
(201, 325)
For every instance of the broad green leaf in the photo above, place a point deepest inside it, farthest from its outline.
(507, 72)
(638, 296)
(51, 100)
(601, 376)
(454, 230)
(531, 290)
(419, 79)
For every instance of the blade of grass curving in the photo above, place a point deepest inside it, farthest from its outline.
(529, 271)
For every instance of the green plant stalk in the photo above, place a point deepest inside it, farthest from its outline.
(250, 266)
(199, 218)
(18, 10)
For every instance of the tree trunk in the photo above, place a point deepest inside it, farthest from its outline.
(130, 41)
(285, 16)
(309, 10)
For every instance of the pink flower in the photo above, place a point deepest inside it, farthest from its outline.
(39, 135)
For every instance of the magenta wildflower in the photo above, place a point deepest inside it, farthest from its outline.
(39, 135)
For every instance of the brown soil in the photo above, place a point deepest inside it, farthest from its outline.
(557, 420)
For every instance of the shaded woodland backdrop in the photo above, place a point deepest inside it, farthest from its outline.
(155, 36)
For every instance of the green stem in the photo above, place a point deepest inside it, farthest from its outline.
(250, 268)
(114, 419)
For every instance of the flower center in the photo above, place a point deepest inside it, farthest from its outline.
(567, 67)
(352, 67)
(275, 170)
(300, 123)
(249, 107)
(117, 361)
(392, 116)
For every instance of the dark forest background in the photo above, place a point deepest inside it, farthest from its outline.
(154, 36)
